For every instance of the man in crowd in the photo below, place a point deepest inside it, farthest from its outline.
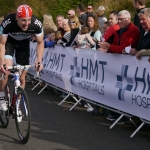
(144, 42)
(113, 27)
(138, 5)
(81, 9)
(90, 9)
(128, 34)
(71, 13)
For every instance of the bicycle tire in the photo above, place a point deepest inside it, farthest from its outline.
(4, 115)
(22, 115)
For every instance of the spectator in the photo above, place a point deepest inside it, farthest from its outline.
(59, 21)
(128, 34)
(66, 36)
(50, 41)
(100, 12)
(92, 24)
(48, 23)
(108, 37)
(105, 27)
(90, 9)
(138, 5)
(144, 42)
(74, 26)
(113, 27)
(83, 39)
(71, 13)
(81, 9)
(113, 18)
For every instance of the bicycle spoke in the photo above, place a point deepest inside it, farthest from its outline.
(22, 116)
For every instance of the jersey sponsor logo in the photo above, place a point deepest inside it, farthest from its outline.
(37, 22)
(6, 22)
(20, 33)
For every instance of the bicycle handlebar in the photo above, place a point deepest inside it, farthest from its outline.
(20, 67)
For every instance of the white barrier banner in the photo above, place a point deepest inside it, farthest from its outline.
(116, 80)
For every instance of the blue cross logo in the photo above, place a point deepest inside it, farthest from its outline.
(74, 71)
(120, 82)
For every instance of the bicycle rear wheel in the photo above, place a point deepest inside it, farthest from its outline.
(22, 115)
(4, 115)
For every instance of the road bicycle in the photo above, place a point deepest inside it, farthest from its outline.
(18, 106)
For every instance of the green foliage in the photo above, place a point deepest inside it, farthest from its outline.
(56, 7)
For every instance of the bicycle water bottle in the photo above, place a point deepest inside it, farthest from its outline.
(17, 81)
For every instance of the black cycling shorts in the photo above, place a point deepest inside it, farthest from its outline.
(21, 49)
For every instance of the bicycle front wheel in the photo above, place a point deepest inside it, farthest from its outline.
(22, 116)
(4, 115)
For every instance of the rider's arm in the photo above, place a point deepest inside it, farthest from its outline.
(39, 48)
(3, 40)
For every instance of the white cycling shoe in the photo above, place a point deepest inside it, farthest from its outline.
(3, 104)
(19, 116)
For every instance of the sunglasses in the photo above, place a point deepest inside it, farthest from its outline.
(89, 8)
(69, 14)
(71, 22)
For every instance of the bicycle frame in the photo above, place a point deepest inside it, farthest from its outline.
(18, 106)
(17, 82)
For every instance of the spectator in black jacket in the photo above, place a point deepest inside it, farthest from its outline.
(74, 26)
(138, 5)
(144, 42)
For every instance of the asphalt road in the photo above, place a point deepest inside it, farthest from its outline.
(56, 128)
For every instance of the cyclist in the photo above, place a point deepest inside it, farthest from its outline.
(16, 30)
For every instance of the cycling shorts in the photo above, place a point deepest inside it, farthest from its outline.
(19, 49)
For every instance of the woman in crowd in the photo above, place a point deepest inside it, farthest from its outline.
(74, 26)
(48, 24)
(66, 36)
(100, 12)
(93, 25)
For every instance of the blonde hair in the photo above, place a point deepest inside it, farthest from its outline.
(76, 20)
(48, 24)
(1, 19)
(100, 11)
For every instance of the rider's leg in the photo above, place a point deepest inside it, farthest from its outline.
(3, 105)
(8, 62)
(22, 78)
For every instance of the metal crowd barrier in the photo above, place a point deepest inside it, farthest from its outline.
(89, 102)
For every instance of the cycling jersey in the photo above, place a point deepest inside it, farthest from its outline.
(9, 27)
(18, 41)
